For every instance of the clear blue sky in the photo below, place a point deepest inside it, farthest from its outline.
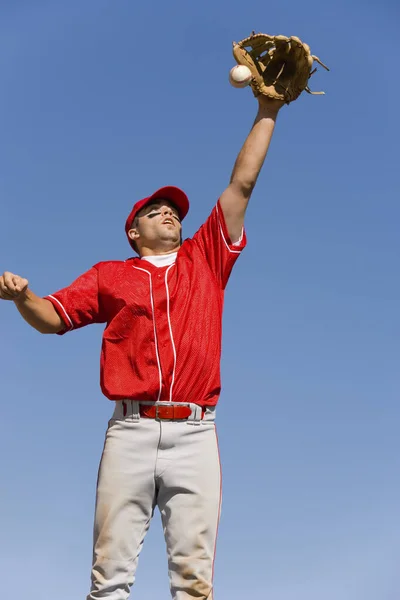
(102, 102)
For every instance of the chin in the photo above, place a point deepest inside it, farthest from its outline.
(173, 239)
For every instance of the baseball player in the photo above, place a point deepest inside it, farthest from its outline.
(160, 365)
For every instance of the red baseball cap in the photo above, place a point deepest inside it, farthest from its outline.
(169, 192)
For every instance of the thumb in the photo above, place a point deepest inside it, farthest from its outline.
(20, 283)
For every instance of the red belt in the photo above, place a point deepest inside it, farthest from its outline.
(165, 412)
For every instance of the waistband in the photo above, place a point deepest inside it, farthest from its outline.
(131, 410)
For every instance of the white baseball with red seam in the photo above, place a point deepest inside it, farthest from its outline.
(240, 76)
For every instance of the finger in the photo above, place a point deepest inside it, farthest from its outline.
(8, 280)
(5, 295)
(4, 289)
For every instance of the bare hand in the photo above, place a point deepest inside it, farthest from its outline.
(12, 287)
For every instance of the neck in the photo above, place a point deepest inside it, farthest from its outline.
(145, 251)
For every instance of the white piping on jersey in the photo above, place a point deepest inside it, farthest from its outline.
(154, 327)
(63, 309)
(223, 237)
(170, 332)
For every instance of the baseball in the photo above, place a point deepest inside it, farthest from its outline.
(240, 76)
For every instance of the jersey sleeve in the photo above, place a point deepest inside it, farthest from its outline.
(78, 304)
(213, 240)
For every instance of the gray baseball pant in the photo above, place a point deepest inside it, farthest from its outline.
(147, 463)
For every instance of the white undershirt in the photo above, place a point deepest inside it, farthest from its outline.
(161, 260)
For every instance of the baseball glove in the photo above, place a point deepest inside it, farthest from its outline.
(281, 66)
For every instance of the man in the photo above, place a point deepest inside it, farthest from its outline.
(160, 364)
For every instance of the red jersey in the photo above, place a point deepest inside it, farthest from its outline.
(162, 340)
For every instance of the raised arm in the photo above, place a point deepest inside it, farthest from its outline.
(235, 198)
(38, 312)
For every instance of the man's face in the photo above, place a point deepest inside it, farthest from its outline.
(157, 226)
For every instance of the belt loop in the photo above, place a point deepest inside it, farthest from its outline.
(135, 411)
(195, 417)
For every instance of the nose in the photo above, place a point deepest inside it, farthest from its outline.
(167, 211)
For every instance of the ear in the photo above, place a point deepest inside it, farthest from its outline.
(133, 234)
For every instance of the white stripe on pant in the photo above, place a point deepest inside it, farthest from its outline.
(147, 463)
